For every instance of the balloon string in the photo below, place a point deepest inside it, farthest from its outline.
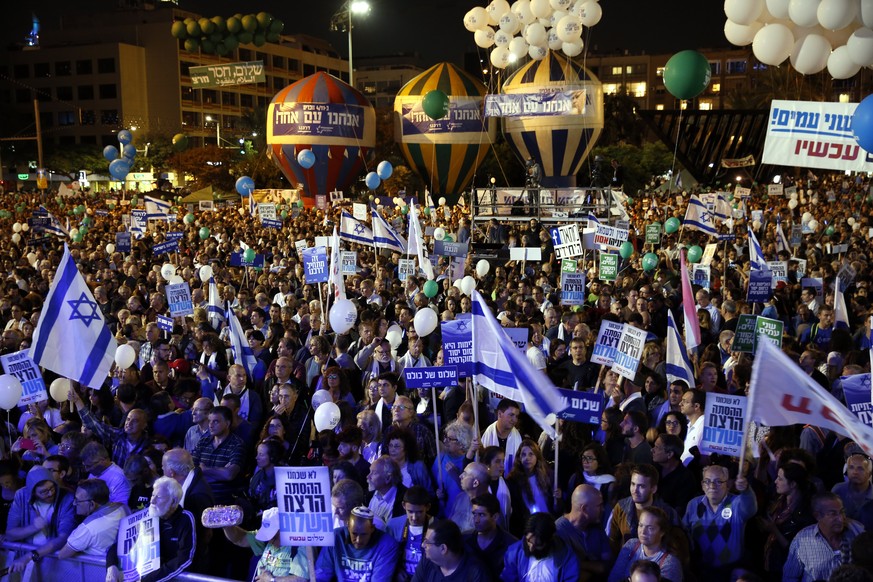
(676, 149)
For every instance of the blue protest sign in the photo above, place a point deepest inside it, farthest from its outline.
(174, 235)
(581, 406)
(37, 224)
(726, 237)
(101, 212)
(32, 242)
(760, 286)
(458, 345)
(268, 223)
(430, 377)
(122, 242)
(168, 247)
(450, 249)
(315, 265)
(164, 323)
(238, 260)
(856, 389)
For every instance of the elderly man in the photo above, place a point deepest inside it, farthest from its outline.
(133, 439)
(99, 528)
(359, 552)
(385, 498)
(196, 497)
(404, 416)
(96, 462)
(200, 416)
(475, 481)
(177, 535)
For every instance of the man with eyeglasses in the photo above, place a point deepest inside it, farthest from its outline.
(446, 558)
(677, 483)
(819, 549)
(99, 528)
(404, 417)
(716, 521)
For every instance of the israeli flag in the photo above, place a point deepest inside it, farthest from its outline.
(354, 231)
(416, 242)
(386, 237)
(214, 311)
(678, 366)
(756, 255)
(697, 217)
(54, 226)
(593, 221)
(156, 209)
(239, 345)
(781, 239)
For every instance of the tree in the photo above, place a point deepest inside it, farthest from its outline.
(769, 83)
(70, 159)
(640, 163)
(621, 124)
(209, 166)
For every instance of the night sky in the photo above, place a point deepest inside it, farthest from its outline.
(432, 28)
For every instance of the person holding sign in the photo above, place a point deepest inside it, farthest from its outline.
(276, 563)
(359, 552)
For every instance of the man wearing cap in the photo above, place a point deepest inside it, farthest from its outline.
(276, 563)
(359, 552)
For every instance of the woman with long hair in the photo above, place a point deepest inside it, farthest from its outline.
(262, 486)
(648, 545)
(610, 435)
(674, 423)
(595, 470)
(786, 516)
(403, 450)
(530, 486)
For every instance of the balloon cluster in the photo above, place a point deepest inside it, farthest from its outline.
(383, 172)
(531, 27)
(119, 167)
(219, 35)
(813, 34)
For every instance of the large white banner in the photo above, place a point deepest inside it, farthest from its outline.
(813, 134)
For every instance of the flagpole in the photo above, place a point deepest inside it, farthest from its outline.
(557, 440)
(436, 430)
(321, 303)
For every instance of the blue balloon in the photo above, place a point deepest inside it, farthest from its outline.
(119, 169)
(862, 123)
(124, 137)
(384, 170)
(129, 151)
(373, 180)
(245, 185)
(306, 159)
(110, 152)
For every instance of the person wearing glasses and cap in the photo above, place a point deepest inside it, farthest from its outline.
(276, 562)
(99, 529)
(359, 551)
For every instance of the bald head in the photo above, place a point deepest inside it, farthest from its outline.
(586, 506)
(584, 494)
(176, 464)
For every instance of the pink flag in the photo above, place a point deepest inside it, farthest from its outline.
(692, 325)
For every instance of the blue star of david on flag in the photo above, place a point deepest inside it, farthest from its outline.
(359, 228)
(76, 305)
(462, 325)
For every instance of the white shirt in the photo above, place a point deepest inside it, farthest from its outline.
(692, 439)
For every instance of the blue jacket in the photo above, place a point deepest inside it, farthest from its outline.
(342, 562)
(516, 563)
(22, 513)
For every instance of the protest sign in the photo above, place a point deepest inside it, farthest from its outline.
(566, 241)
(405, 269)
(609, 237)
(778, 271)
(606, 346)
(525, 254)
(744, 336)
(175, 235)
(139, 545)
(335, 195)
(723, 424)
(179, 299)
(568, 266)
(741, 192)
(622, 224)
(165, 248)
(846, 274)
(20, 365)
(359, 211)
(801, 267)
(164, 323)
(856, 389)
(709, 254)
(305, 512)
(315, 265)
(701, 276)
(775, 190)
(349, 262)
(206, 205)
(321, 201)
(300, 246)
(267, 223)
(796, 236)
(122, 242)
(517, 335)
(573, 289)
(138, 220)
(653, 234)
(267, 211)
(239, 260)
(768, 329)
(608, 266)
(322, 241)
(630, 349)
(430, 377)
(458, 345)
(450, 249)
(760, 286)
(581, 406)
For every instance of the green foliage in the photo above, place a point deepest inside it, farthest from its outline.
(621, 124)
(640, 163)
(70, 159)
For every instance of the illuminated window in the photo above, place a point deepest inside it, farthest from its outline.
(629, 69)
(716, 87)
(683, 105)
(659, 107)
(844, 97)
(705, 105)
(638, 89)
(616, 70)
(660, 71)
(610, 88)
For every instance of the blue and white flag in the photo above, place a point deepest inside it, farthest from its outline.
(214, 310)
(416, 242)
(355, 231)
(678, 365)
(593, 221)
(756, 255)
(239, 345)
(841, 313)
(501, 367)
(386, 237)
(698, 217)
(156, 209)
(782, 243)
(335, 278)
(54, 225)
(722, 210)
(71, 338)
(253, 206)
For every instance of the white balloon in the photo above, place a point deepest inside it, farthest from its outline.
(16, 227)
(31, 258)
(394, 335)
(851, 221)
(572, 49)
(468, 283)
(74, 232)
(836, 14)
(860, 46)
(60, 389)
(813, 224)
(509, 23)
(501, 39)
(342, 316)
(866, 13)
(521, 9)
(168, 270)
(476, 18)
(125, 355)
(537, 53)
(773, 44)
(590, 13)
(756, 225)
(792, 204)
(326, 417)
(556, 17)
(25, 227)
(807, 216)
(778, 8)
(16, 238)
(540, 8)
(518, 47)
(425, 321)
(482, 268)
(554, 42)
(810, 54)
(570, 28)
(841, 65)
(176, 279)
(10, 391)
(205, 273)
(469, 22)
(442, 201)
(536, 34)
(439, 233)
(498, 8)
(803, 12)
(739, 34)
(743, 11)
(320, 397)
(110, 248)
(560, 4)
(856, 227)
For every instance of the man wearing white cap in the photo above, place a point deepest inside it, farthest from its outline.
(277, 563)
(359, 552)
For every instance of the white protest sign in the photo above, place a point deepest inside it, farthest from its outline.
(206, 205)
(630, 350)
(305, 511)
(566, 241)
(300, 245)
(606, 346)
(778, 270)
(359, 211)
(709, 254)
(23, 367)
(139, 545)
(405, 269)
(609, 237)
(701, 275)
(801, 267)
(573, 289)
(775, 190)
(336, 195)
(349, 262)
(723, 424)
(179, 299)
(267, 211)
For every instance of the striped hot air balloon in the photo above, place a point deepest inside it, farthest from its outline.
(560, 142)
(444, 152)
(329, 117)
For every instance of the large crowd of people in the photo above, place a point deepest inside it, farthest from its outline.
(477, 496)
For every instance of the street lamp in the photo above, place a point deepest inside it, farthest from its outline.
(217, 129)
(341, 21)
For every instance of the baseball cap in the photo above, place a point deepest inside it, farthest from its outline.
(269, 525)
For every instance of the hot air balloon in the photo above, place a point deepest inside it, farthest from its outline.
(333, 120)
(559, 142)
(444, 152)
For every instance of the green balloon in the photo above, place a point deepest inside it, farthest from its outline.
(194, 29)
(259, 39)
(249, 255)
(687, 74)
(192, 44)
(112, 207)
(204, 233)
(78, 210)
(207, 27)
(830, 230)
(650, 261)
(244, 37)
(671, 225)
(431, 289)
(695, 253)
(220, 23)
(404, 209)
(179, 30)
(277, 26)
(233, 25)
(87, 221)
(300, 204)
(180, 142)
(630, 201)
(189, 218)
(134, 201)
(249, 23)
(626, 250)
(284, 214)
(427, 210)
(264, 20)
(435, 104)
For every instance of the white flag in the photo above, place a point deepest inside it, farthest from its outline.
(416, 242)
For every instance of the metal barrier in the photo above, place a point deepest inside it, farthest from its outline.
(80, 568)
(544, 204)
